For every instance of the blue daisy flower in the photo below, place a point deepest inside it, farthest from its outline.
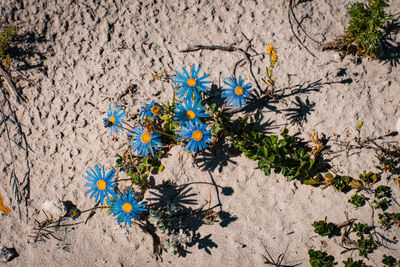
(152, 110)
(144, 112)
(190, 111)
(199, 137)
(143, 141)
(114, 119)
(126, 206)
(237, 93)
(100, 183)
(190, 84)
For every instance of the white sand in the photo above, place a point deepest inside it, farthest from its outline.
(92, 52)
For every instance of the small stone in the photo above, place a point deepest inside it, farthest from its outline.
(7, 254)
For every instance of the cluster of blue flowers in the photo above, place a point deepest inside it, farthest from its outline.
(188, 112)
(124, 206)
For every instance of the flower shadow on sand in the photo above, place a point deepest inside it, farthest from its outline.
(391, 48)
(188, 218)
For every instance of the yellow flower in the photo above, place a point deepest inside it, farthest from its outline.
(274, 58)
(360, 124)
(6, 62)
(269, 49)
(3, 208)
(273, 51)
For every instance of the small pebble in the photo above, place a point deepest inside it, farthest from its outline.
(7, 254)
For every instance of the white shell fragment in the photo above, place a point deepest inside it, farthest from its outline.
(398, 126)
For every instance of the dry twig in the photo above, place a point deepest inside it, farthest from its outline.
(20, 187)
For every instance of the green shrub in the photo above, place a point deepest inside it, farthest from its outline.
(320, 259)
(366, 24)
(5, 38)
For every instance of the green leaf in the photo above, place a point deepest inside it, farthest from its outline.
(274, 139)
(213, 107)
(329, 175)
(160, 168)
(271, 159)
(267, 170)
(281, 143)
(262, 152)
(141, 167)
(317, 180)
(267, 141)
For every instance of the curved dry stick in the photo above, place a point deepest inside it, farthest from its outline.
(299, 25)
(291, 13)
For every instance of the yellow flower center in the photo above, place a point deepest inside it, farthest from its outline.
(274, 58)
(112, 119)
(101, 184)
(155, 110)
(127, 207)
(146, 138)
(239, 90)
(190, 115)
(197, 135)
(73, 213)
(191, 82)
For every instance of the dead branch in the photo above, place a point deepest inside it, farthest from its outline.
(20, 187)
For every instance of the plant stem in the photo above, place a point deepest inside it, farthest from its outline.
(127, 124)
(167, 134)
(126, 129)
(101, 207)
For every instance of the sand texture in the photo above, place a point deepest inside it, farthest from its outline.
(78, 57)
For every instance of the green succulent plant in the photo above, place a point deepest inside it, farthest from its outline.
(282, 154)
(390, 261)
(388, 219)
(351, 263)
(320, 259)
(357, 200)
(323, 228)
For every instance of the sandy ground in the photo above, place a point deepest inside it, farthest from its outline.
(80, 56)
